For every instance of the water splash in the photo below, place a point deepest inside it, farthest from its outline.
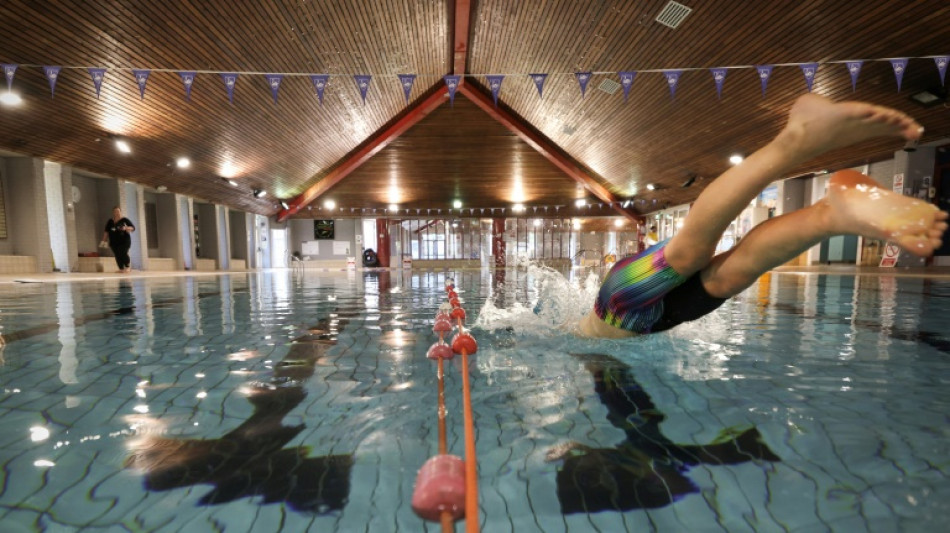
(553, 304)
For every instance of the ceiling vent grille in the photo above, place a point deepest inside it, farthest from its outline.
(673, 14)
(609, 86)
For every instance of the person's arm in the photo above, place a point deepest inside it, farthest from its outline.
(129, 226)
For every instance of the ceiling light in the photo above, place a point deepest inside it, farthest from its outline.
(689, 181)
(651, 187)
(393, 208)
(735, 159)
(329, 204)
(231, 182)
(283, 203)
(619, 222)
(455, 224)
(930, 97)
(518, 208)
(123, 146)
(183, 162)
(537, 222)
(457, 204)
(625, 204)
(259, 193)
(11, 99)
(580, 202)
(576, 223)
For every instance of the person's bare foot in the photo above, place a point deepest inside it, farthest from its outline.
(860, 206)
(817, 125)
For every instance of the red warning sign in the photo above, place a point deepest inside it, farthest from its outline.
(891, 253)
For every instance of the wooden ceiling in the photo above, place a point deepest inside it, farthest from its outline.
(544, 152)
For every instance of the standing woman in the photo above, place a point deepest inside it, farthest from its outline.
(117, 233)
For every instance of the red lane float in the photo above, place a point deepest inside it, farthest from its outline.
(464, 342)
(440, 350)
(458, 313)
(440, 486)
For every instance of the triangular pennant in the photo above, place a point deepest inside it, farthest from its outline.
(452, 82)
(406, 80)
(583, 78)
(8, 71)
(809, 70)
(320, 84)
(362, 81)
(51, 73)
(538, 80)
(854, 69)
(230, 80)
(940, 61)
(672, 79)
(899, 65)
(98, 74)
(719, 76)
(141, 78)
(188, 80)
(273, 81)
(626, 82)
(765, 72)
(494, 83)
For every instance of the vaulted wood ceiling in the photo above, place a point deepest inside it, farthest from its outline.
(425, 154)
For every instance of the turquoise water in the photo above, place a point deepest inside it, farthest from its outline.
(282, 402)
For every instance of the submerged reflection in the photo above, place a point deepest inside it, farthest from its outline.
(646, 470)
(251, 461)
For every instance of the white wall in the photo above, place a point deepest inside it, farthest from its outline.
(344, 229)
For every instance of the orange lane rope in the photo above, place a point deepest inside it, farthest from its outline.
(471, 468)
(448, 525)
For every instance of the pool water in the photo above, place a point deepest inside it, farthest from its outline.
(292, 402)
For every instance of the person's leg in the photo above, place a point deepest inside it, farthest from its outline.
(815, 125)
(126, 260)
(117, 253)
(854, 205)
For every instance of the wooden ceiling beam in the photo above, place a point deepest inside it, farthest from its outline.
(546, 148)
(462, 35)
(367, 150)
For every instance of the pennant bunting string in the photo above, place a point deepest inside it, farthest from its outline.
(538, 80)
(583, 78)
(899, 65)
(188, 80)
(320, 84)
(273, 81)
(940, 61)
(719, 76)
(8, 71)
(765, 71)
(672, 79)
(141, 78)
(230, 80)
(362, 82)
(452, 82)
(51, 73)
(406, 81)
(809, 70)
(98, 74)
(854, 68)
(626, 82)
(494, 83)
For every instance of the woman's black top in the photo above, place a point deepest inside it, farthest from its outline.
(118, 237)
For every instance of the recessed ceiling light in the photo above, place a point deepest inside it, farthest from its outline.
(11, 99)
(123, 146)
(735, 159)
(518, 208)
(457, 204)
(283, 203)
(393, 208)
(329, 204)
(651, 187)
(259, 193)
(183, 162)
(537, 222)
(232, 182)
(619, 222)
(580, 202)
(576, 223)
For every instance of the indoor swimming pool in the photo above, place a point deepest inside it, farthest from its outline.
(283, 401)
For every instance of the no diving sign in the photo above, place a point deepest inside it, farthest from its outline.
(891, 252)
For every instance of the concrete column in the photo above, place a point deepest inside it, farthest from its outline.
(382, 241)
(169, 229)
(223, 237)
(498, 248)
(28, 220)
